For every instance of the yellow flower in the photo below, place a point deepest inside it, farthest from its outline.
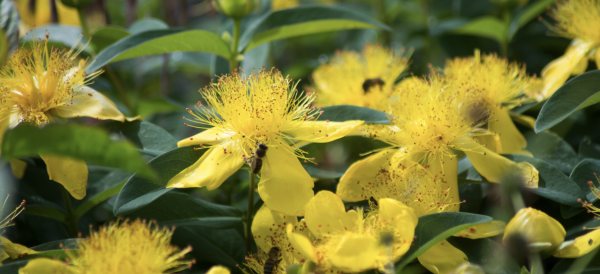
(364, 80)
(218, 270)
(577, 20)
(120, 248)
(549, 235)
(284, 4)
(430, 121)
(425, 193)
(39, 85)
(268, 230)
(350, 242)
(246, 110)
(8, 248)
(37, 13)
(502, 87)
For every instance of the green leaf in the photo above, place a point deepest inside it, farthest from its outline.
(161, 41)
(527, 14)
(585, 171)
(151, 139)
(318, 173)
(77, 4)
(491, 256)
(552, 149)
(147, 107)
(343, 113)
(214, 246)
(147, 24)
(553, 184)
(80, 142)
(433, 228)
(100, 191)
(182, 209)
(139, 191)
(107, 36)
(487, 26)
(304, 20)
(588, 149)
(60, 244)
(12, 267)
(47, 211)
(577, 93)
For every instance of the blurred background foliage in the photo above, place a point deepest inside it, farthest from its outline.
(160, 87)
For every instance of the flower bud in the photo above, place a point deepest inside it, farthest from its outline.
(236, 9)
(542, 232)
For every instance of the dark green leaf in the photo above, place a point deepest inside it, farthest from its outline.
(107, 36)
(12, 267)
(147, 24)
(587, 149)
(61, 244)
(491, 256)
(100, 191)
(151, 139)
(47, 211)
(434, 228)
(316, 172)
(552, 149)
(182, 209)
(467, 174)
(343, 113)
(77, 4)
(487, 26)
(577, 93)
(139, 191)
(302, 21)
(215, 246)
(553, 184)
(256, 58)
(161, 41)
(585, 172)
(527, 14)
(90, 144)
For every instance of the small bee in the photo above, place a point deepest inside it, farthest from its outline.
(367, 84)
(257, 161)
(273, 260)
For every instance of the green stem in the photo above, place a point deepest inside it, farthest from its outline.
(249, 213)
(237, 29)
(536, 264)
(84, 26)
(71, 219)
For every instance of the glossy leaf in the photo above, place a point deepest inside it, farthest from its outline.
(304, 20)
(553, 184)
(491, 256)
(214, 246)
(139, 191)
(48, 212)
(527, 14)
(316, 172)
(552, 149)
(90, 144)
(577, 93)
(101, 191)
(583, 172)
(107, 36)
(151, 139)
(588, 149)
(182, 209)
(488, 27)
(161, 41)
(147, 24)
(343, 113)
(434, 228)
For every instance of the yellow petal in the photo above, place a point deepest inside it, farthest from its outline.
(48, 266)
(320, 131)
(597, 57)
(284, 186)
(211, 136)
(534, 90)
(484, 230)
(326, 214)
(581, 66)
(218, 270)
(442, 258)
(365, 170)
(69, 172)
(17, 167)
(447, 169)
(14, 250)
(495, 168)
(537, 227)
(268, 230)
(301, 244)
(403, 219)
(355, 253)
(511, 139)
(88, 102)
(524, 120)
(556, 73)
(212, 169)
(390, 208)
(579, 246)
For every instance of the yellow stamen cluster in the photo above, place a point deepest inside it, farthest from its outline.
(590, 206)
(255, 108)
(501, 83)
(431, 116)
(129, 247)
(344, 79)
(578, 19)
(35, 81)
(411, 184)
